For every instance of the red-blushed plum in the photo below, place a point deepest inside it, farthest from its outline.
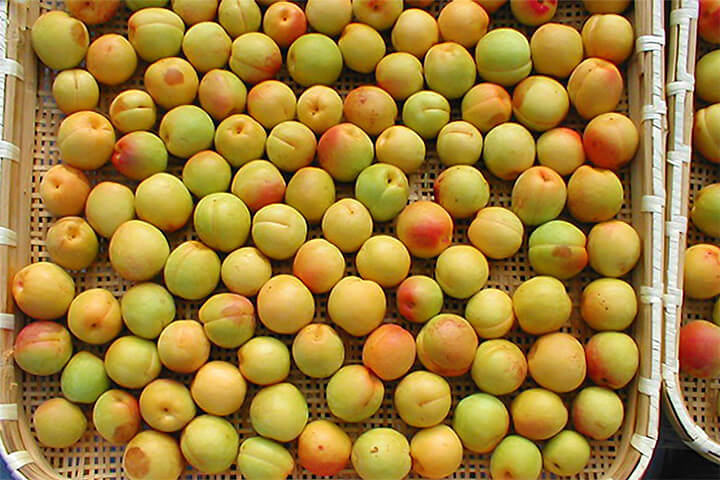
(284, 22)
(486, 105)
(344, 150)
(700, 349)
(611, 140)
(389, 351)
(254, 56)
(533, 12)
(139, 155)
(258, 183)
(323, 448)
(42, 348)
(425, 228)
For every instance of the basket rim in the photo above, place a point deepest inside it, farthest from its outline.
(680, 89)
(18, 447)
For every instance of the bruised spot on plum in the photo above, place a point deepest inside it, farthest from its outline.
(124, 433)
(137, 463)
(173, 76)
(79, 34)
(562, 251)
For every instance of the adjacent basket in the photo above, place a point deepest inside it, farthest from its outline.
(692, 402)
(27, 150)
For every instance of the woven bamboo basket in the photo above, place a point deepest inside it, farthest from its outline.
(28, 150)
(692, 402)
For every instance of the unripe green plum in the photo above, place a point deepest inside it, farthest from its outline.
(84, 379)
(192, 271)
(279, 412)
(381, 453)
